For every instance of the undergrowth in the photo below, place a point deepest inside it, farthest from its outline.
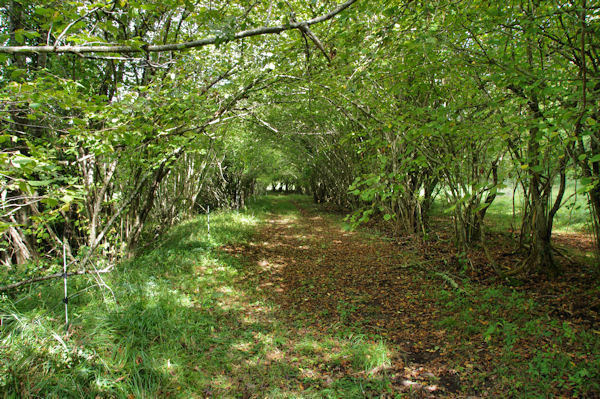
(530, 352)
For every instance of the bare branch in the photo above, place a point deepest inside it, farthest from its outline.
(315, 39)
(64, 32)
(51, 276)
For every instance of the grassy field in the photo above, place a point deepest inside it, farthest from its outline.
(573, 216)
(506, 211)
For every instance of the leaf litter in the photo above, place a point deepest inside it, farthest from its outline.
(329, 281)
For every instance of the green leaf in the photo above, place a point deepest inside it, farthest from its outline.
(17, 73)
(20, 161)
(40, 183)
(595, 158)
(50, 202)
(43, 11)
(24, 187)
(30, 34)
(4, 227)
(19, 36)
(481, 206)
(587, 180)
(67, 198)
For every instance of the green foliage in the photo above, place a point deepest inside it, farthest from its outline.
(417, 102)
(384, 111)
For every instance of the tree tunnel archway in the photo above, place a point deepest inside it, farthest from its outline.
(127, 112)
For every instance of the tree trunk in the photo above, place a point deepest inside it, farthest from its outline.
(21, 250)
(540, 254)
(142, 214)
(480, 215)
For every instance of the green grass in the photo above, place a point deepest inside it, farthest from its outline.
(187, 321)
(573, 216)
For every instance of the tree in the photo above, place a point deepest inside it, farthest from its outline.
(95, 138)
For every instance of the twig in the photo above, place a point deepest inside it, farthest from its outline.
(64, 32)
(52, 276)
(101, 283)
(451, 282)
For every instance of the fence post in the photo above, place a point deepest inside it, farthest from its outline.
(208, 219)
(66, 298)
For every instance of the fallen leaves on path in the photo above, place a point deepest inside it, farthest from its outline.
(330, 278)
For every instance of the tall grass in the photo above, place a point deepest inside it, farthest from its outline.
(145, 341)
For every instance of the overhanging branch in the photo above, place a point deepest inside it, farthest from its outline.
(316, 41)
(175, 46)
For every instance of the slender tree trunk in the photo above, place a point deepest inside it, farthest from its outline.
(480, 215)
(142, 214)
(540, 254)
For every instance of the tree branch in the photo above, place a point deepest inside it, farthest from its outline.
(64, 32)
(51, 276)
(316, 41)
(175, 46)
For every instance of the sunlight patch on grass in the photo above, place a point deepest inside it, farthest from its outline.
(308, 346)
(573, 216)
(366, 355)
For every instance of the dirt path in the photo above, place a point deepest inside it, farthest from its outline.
(333, 279)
